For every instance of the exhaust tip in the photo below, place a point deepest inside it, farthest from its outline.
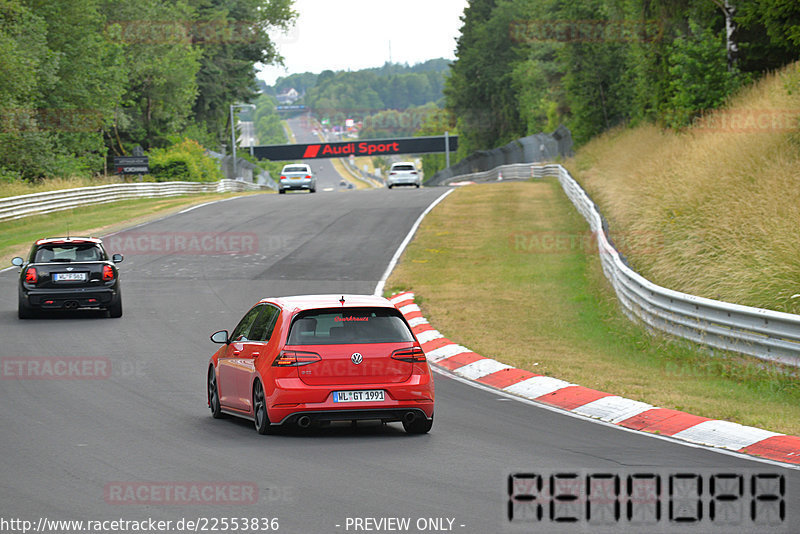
(71, 305)
(409, 417)
(304, 421)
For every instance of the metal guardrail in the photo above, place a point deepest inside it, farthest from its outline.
(50, 201)
(765, 334)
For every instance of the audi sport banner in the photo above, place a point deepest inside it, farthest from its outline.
(371, 147)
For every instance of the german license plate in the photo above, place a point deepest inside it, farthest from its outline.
(69, 277)
(364, 395)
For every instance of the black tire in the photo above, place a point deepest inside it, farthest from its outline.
(260, 415)
(115, 310)
(312, 190)
(24, 311)
(417, 186)
(389, 186)
(420, 425)
(282, 191)
(213, 395)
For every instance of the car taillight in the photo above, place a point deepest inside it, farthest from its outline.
(410, 355)
(294, 358)
(108, 273)
(308, 177)
(413, 172)
(283, 177)
(31, 276)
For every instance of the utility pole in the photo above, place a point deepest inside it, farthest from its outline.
(233, 134)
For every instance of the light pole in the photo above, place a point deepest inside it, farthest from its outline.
(233, 134)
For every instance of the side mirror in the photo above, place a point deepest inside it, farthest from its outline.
(117, 258)
(220, 337)
(17, 261)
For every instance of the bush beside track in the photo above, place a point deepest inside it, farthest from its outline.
(509, 271)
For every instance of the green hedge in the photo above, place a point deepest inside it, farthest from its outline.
(185, 161)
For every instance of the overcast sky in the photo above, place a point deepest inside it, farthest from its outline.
(356, 34)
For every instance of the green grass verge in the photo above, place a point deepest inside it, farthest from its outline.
(510, 271)
(16, 236)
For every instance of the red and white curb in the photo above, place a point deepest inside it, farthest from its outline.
(626, 413)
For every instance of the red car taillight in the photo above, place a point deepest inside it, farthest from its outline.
(31, 276)
(308, 177)
(108, 273)
(294, 358)
(410, 355)
(283, 177)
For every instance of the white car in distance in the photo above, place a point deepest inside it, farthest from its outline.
(403, 173)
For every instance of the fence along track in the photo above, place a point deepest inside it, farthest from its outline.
(51, 201)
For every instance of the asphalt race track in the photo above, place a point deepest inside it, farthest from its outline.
(72, 448)
(328, 179)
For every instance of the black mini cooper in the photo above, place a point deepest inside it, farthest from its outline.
(67, 273)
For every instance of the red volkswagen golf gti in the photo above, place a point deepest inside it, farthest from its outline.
(317, 359)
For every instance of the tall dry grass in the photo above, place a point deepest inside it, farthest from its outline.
(714, 210)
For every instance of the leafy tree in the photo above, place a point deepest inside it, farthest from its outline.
(269, 129)
(699, 77)
(231, 37)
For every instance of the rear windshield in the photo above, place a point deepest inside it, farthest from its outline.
(295, 169)
(403, 168)
(76, 252)
(350, 325)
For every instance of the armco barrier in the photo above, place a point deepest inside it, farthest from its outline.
(50, 201)
(765, 334)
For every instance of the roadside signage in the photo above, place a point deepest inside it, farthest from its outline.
(371, 147)
(131, 164)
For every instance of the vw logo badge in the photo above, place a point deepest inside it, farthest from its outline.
(356, 358)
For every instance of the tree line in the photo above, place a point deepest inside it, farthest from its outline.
(524, 66)
(358, 94)
(85, 80)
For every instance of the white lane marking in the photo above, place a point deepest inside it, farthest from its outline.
(536, 386)
(187, 210)
(399, 252)
(613, 409)
(328, 189)
(481, 368)
(724, 434)
(448, 351)
(495, 391)
(428, 335)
